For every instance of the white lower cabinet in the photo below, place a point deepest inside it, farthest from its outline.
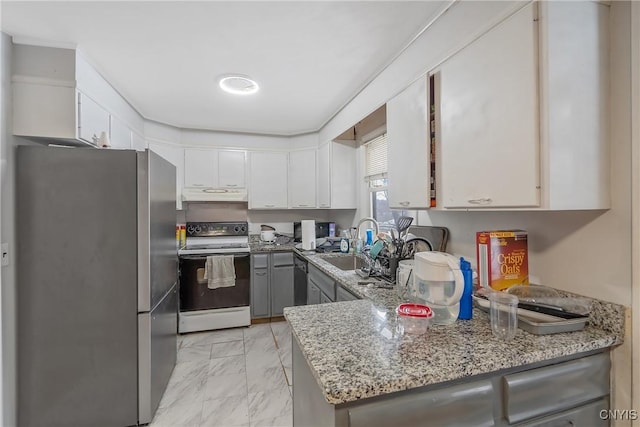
(268, 178)
(302, 179)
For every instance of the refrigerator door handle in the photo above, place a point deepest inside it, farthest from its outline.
(144, 241)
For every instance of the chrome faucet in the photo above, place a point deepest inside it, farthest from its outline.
(362, 221)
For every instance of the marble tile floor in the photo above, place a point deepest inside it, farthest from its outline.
(232, 377)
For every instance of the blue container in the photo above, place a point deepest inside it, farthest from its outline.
(369, 241)
(466, 302)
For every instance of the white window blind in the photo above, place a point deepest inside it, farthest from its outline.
(376, 158)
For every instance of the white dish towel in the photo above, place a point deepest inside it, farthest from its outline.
(220, 272)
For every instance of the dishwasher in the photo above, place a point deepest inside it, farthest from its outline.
(299, 280)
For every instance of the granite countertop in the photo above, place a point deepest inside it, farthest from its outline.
(257, 246)
(356, 350)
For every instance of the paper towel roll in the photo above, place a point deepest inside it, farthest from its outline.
(308, 234)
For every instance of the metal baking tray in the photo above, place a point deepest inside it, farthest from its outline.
(540, 323)
(545, 328)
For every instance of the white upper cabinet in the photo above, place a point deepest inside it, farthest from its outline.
(522, 124)
(232, 168)
(58, 95)
(268, 180)
(489, 144)
(120, 134)
(302, 179)
(408, 148)
(324, 175)
(211, 167)
(575, 105)
(336, 175)
(200, 167)
(92, 119)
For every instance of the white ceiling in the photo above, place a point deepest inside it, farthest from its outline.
(309, 58)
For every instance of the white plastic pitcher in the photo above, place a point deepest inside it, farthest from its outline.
(438, 283)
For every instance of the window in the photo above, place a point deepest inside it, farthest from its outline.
(376, 176)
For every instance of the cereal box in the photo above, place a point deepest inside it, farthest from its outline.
(502, 258)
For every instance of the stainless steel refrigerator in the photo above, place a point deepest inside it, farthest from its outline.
(96, 285)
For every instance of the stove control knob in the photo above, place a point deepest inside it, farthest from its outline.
(190, 229)
(236, 229)
(243, 229)
(198, 229)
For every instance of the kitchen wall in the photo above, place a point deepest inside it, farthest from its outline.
(560, 242)
(246, 141)
(281, 220)
(587, 252)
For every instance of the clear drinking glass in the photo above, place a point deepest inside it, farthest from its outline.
(504, 314)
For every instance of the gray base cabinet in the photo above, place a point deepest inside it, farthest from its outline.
(344, 295)
(281, 281)
(260, 295)
(313, 293)
(322, 289)
(271, 284)
(565, 392)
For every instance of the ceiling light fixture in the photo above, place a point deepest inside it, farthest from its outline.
(238, 84)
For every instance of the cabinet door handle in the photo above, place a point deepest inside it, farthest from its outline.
(404, 203)
(231, 185)
(269, 206)
(303, 206)
(261, 273)
(198, 185)
(324, 206)
(480, 201)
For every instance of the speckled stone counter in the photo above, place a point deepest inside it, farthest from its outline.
(356, 350)
(257, 246)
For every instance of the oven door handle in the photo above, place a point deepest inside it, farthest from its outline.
(204, 256)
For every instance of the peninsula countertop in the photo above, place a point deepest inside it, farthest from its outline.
(355, 349)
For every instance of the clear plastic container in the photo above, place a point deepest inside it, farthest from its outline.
(414, 319)
(503, 312)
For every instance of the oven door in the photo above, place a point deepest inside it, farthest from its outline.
(194, 293)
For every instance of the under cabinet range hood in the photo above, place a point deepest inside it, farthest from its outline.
(209, 194)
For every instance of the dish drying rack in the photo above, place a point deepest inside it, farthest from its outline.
(382, 267)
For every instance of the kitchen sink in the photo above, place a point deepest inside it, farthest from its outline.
(345, 262)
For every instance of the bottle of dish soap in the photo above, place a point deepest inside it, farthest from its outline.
(344, 245)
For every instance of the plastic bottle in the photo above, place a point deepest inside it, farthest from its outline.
(466, 302)
(183, 236)
(344, 245)
(369, 241)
